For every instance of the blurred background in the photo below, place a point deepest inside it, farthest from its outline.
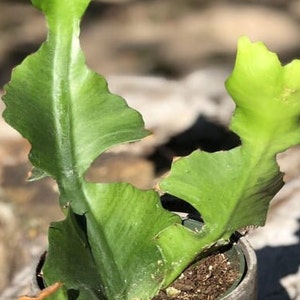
(169, 59)
(165, 37)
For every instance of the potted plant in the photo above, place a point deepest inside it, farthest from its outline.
(116, 241)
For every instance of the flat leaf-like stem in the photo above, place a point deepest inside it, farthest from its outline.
(232, 189)
(116, 241)
(105, 248)
(64, 109)
(134, 268)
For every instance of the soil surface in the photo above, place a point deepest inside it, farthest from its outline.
(208, 279)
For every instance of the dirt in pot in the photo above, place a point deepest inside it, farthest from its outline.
(208, 279)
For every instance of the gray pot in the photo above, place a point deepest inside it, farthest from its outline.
(247, 288)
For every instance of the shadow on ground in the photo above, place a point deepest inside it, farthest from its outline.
(275, 263)
(204, 134)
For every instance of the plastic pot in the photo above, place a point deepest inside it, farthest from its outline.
(247, 288)
(240, 253)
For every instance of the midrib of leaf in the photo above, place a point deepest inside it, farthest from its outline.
(71, 183)
(63, 96)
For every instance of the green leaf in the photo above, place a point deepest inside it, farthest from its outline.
(64, 109)
(117, 242)
(105, 248)
(232, 189)
(74, 252)
(267, 98)
(111, 248)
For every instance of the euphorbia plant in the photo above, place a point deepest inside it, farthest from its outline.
(116, 241)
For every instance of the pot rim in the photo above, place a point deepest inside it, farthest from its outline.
(243, 250)
(250, 272)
